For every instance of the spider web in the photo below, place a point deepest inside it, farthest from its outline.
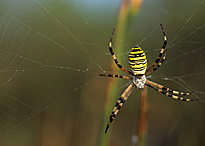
(51, 53)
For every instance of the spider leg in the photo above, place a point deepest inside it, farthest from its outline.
(117, 76)
(114, 57)
(165, 90)
(161, 62)
(161, 52)
(120, 103)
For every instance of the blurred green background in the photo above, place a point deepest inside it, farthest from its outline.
(51, 53)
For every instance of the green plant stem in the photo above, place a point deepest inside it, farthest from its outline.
(143, 122)
(128, 11)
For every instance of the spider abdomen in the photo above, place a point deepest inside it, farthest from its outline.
(137, 61)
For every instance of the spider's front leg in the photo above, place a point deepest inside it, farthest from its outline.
(150, 69)
(117, 76)
(114, 57)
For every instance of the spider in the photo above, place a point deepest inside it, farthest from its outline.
(138, 65)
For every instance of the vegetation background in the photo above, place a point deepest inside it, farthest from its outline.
(51, 53)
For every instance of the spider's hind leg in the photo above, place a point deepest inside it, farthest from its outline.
(170, 93)
(115, 111)
(120, 103)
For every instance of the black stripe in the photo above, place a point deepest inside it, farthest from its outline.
(136, 50)
(119, 107)
(120, 66)
(182, 99)
(117, 104)
(121, 100)
(111, 118)
(155, 69)
(164, 45)
(113, 115)
(170, 95)
(164, 88)
(136, 60)
(111, 51)
(116, 61)
(137, 55)
(157, 60)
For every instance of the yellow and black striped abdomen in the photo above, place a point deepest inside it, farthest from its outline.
(137, 61)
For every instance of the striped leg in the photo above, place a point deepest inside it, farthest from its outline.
(161, 62)
(114, 57)
(166, 91)
(117, 76)
(161, 52)
(120, 103)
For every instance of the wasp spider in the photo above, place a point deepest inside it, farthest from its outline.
(139, 71)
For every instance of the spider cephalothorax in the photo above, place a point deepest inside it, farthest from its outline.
(139, 81)
(139, 71)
